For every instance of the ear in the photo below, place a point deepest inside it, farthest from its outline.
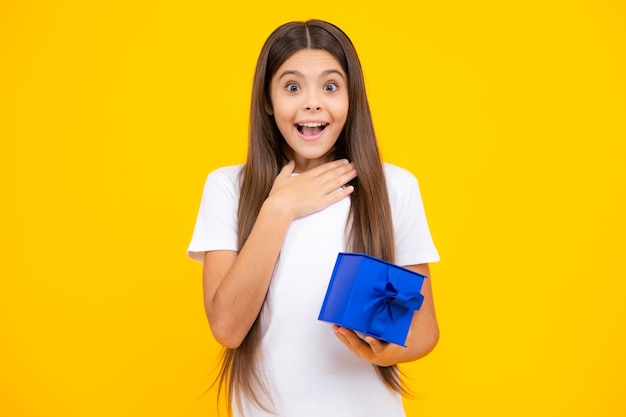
(268, 108)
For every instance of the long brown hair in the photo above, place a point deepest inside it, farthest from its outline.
(369, 222)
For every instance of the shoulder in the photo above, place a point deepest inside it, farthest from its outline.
(402, 186)
(227, 176)
(223, 181)
(230, 172)
(398, 178)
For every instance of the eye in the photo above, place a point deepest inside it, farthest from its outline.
(292, 87)
(331, 87)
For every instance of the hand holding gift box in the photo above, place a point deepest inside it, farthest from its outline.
(372, 296)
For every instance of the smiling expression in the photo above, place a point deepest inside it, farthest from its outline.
(309, 96)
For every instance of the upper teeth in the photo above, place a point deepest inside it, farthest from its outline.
(312, 124)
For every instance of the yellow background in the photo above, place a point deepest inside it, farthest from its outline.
(512, 115)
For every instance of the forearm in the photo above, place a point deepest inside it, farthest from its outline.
(421, 341)
(423, 333)
(234, 305)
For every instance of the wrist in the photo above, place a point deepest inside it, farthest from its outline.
(276, 209)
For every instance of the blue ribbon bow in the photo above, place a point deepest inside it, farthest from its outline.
(390, 305)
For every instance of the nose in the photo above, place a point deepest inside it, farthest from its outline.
(312, 102)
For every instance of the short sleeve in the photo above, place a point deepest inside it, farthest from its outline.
(414, 243)
(216, 224)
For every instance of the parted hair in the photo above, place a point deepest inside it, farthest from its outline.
(369, 225)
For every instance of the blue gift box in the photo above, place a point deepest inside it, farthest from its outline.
(372, 296)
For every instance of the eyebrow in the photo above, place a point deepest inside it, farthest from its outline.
(299, 74)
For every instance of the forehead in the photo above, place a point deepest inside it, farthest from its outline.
(310, 61)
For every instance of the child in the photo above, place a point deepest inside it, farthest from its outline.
(269, 232)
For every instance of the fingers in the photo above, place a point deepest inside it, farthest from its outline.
(327, 178)
(312, 190)
(333, 169)
(368, 348)
(287, 170)
(376, 345)
(337, 194)
(350, 339)
(335, 174)
(361, 347)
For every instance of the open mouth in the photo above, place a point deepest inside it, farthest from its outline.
(310, 129)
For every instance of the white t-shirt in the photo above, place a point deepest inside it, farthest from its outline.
(308, 371)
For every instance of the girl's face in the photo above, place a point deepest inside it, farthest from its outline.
(309, 95)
